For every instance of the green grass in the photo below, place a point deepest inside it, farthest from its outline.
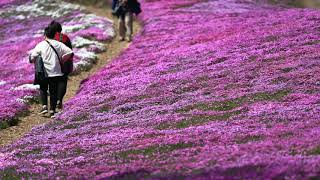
(248, 138)
(154, 149)
(104, 108)
(266, 96)
(30, 152)
(71, 126)
(237, 102)
(221, 106)
(198, 120)
(81, 117)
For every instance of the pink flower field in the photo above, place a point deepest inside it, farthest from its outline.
(218, 89)
(22, 23)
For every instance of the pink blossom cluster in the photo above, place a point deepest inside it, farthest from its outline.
(22, 23)
(220, 89)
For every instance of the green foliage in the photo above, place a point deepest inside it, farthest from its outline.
(312, 42)
(315, 151)
(271, 38)
(286, 70)
(12, 174)
(12, 121)
(4, 125)
(104, 108)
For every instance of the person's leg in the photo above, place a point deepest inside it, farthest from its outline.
(61, 90)
(53, 94)
(128, 23)
(122, 28)
(44, 97)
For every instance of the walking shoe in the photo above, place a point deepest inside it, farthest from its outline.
(129, 39)
(59, 106)
(121, 39)
(43, 110)
(52, 115)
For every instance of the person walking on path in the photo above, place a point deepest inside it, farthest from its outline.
(63, 83)
(51, 51)
(124, 9)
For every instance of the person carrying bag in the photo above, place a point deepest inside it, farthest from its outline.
(66, 66)
(51, 52)
(125, 9)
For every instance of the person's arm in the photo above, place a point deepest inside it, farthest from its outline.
(34, 54)
(68, 43)
(114, 3)
(66, 52)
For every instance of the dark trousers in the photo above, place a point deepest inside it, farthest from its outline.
(55, 91)
(62, 87)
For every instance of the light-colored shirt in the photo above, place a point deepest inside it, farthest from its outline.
(49, 57)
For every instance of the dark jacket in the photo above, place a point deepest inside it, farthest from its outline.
(133, 6)
(40, 72)
(114, 3)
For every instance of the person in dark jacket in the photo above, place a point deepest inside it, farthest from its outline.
(125, 9)
(63, 83)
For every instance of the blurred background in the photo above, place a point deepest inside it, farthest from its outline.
(299, 3)
(295, 3)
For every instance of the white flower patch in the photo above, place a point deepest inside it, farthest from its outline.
(110, 31)
(20, 17)
(27, 87)
(25, 99)
(72, 28)
(89, 20)
(85, 54)
(87, 59)
(45, 8)
(79, 42)
(22, 101)
(2, 83)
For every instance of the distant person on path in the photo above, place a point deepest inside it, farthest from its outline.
(49, 50)
(124, 9)
(62, 84)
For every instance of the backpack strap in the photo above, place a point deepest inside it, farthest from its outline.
(54, 51)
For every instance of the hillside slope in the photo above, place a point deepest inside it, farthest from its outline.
(223, 89)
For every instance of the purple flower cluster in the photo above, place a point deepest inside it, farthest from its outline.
(22, 24)
(222, 89)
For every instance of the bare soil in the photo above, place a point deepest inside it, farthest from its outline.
(114, 48)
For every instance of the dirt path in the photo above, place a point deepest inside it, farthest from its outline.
(113, 47)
